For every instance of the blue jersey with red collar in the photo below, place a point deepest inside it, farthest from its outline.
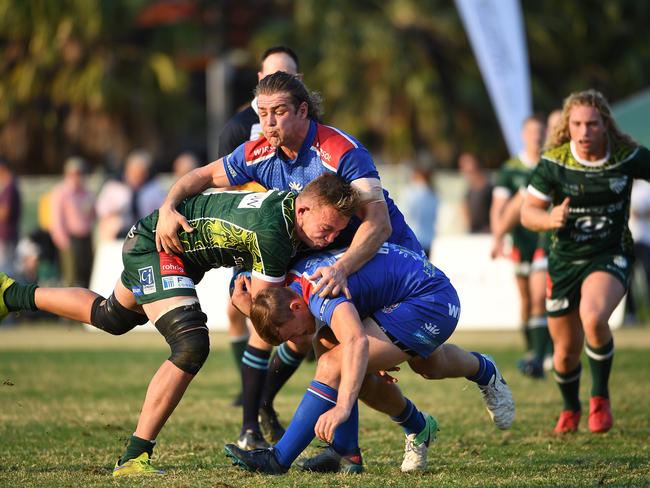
(325, 149)
(394, 275)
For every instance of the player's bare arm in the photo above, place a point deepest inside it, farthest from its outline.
(353, 342)
(169, 220)
(534, 214)
(375, 228)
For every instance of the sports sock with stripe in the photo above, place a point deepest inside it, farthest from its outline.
(600, 362)
(346, 436)
(281, 367)
(318, 399)
(485, 371)
(411, 419)
(569, 384)
(253, 372)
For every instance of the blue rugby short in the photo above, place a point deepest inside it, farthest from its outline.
(419, 324)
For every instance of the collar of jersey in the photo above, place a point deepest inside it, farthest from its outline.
(592, 164)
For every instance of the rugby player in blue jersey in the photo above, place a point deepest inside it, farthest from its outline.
(399, 308)
(293, 150)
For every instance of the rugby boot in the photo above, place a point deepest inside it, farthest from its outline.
(498, 398)
(257, 460)
(140, 466)
(416, 446)
(252, 439)
(270, 425)
(600, 415)
(568, 422)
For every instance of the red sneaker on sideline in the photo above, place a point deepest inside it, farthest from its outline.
(600, 415)
(568, 422)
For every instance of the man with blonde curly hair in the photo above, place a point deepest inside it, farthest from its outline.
(586, 173)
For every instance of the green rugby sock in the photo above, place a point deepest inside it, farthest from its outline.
(136, 447)
(527, 339)
(19, 297)
(539, 336)
(600, 362)
(569, 384)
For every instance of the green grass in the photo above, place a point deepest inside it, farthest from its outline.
(69, 399)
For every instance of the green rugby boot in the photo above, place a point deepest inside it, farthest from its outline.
(140, 466)
(416, 446)
(5, 282)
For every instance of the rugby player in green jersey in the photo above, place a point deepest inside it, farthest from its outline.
(586, 172)
(259, 232)
(528, 252)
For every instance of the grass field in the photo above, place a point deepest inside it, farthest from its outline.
(69, 399)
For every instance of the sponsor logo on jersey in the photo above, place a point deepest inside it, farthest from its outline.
(131, 233)
(169, 282)
(261, 151)
(147, 280)
(454, 310)
(432, 329)
(589, 224)
(617, 185)
(556, 304)
(253, 200)
(170, 264)
(295, 186)
(137, 291)
(620, 261)
(391, 308)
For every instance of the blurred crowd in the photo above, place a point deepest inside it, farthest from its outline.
(73, 217)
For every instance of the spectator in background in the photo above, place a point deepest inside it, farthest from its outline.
(71, 224)
(478, 198)
(420, 205)
(121, 204)
(10, 207)
(640, 228)
(184, 163)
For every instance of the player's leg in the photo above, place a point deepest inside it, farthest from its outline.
(254, 369)
(601, 293)
(540, 338)
(566, 332)
(78, 304)
(521, 282)
(451, 361)
(238, 335)
(284, 362)
(320, 397)
(160, 284)
(183, 325)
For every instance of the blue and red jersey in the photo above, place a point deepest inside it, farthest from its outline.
(324, 150)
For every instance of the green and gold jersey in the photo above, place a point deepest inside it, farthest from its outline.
(255, 231)
(513, 176)
(599, 198)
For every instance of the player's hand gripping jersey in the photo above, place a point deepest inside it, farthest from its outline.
(254, 231)
(599, 195)
(409, 298)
